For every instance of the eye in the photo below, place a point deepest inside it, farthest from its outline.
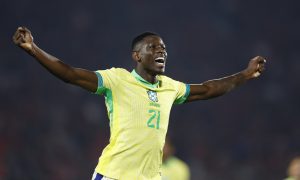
(151, 46)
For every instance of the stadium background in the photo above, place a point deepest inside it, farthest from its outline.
(50, 130)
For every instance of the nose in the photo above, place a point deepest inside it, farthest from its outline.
(162, 51)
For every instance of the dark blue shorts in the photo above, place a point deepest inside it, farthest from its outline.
(97, 176)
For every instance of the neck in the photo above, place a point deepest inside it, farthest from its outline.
(151, 78)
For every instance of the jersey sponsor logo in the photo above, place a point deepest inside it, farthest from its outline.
(152, 96)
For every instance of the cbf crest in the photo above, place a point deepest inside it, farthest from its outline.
(152, 96)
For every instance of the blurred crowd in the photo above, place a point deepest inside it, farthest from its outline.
(51, 130)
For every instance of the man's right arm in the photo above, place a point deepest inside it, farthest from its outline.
(76, 76)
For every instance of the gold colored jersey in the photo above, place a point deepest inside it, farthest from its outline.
(139, 115)
(175, 169)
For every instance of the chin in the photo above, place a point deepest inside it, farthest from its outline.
(161, 72)
(157, 71)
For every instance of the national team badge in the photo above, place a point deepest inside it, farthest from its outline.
(152, 96)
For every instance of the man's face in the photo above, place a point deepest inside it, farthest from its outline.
(153, 55)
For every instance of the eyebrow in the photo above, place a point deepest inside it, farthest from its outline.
(160, 44)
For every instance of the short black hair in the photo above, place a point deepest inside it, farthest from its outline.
(140, 37)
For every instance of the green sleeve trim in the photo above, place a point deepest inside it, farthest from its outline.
(100, 89)
(187, 92)
(186, 95)
(109, 105)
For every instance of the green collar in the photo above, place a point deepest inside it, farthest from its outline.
(142, 80)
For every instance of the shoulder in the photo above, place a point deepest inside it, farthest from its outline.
(178, 166)
(165, 78)
(167, 81)
(114, 71)
(179, 162)
(121, 70)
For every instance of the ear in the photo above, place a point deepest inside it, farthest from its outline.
(135, 56)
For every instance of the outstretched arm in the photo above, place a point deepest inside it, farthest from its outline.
(217, 87)
(80, 77)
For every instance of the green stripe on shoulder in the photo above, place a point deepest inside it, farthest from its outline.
(186, 95)
(100, 89)
(187, 92)
(109, 105)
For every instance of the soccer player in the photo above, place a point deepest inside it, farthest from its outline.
(173, 168)
(138, 102)
(293, 171)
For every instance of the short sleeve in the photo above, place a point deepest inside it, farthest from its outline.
(107, 79)
(183, 91)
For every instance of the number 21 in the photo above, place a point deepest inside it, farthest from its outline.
(155, 116)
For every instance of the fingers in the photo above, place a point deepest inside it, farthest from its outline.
(261, 64)
(18, 38)
(259, 59)
(22, 35)
(257, 66)
(23, 29)
(256, 74)
(27, 30)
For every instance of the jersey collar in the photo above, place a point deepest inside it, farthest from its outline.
(142, 80)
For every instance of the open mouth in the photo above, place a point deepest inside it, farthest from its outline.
(160, 60)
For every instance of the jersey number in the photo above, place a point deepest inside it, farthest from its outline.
(155, 115)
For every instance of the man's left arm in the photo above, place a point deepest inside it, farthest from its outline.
(217, 87)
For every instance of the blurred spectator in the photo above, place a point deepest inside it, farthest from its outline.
(173, 168)
(293, 171)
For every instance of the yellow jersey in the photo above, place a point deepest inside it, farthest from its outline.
(138, 112)
(175, 169)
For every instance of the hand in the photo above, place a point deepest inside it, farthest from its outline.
(255, 67)
(23, 38)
